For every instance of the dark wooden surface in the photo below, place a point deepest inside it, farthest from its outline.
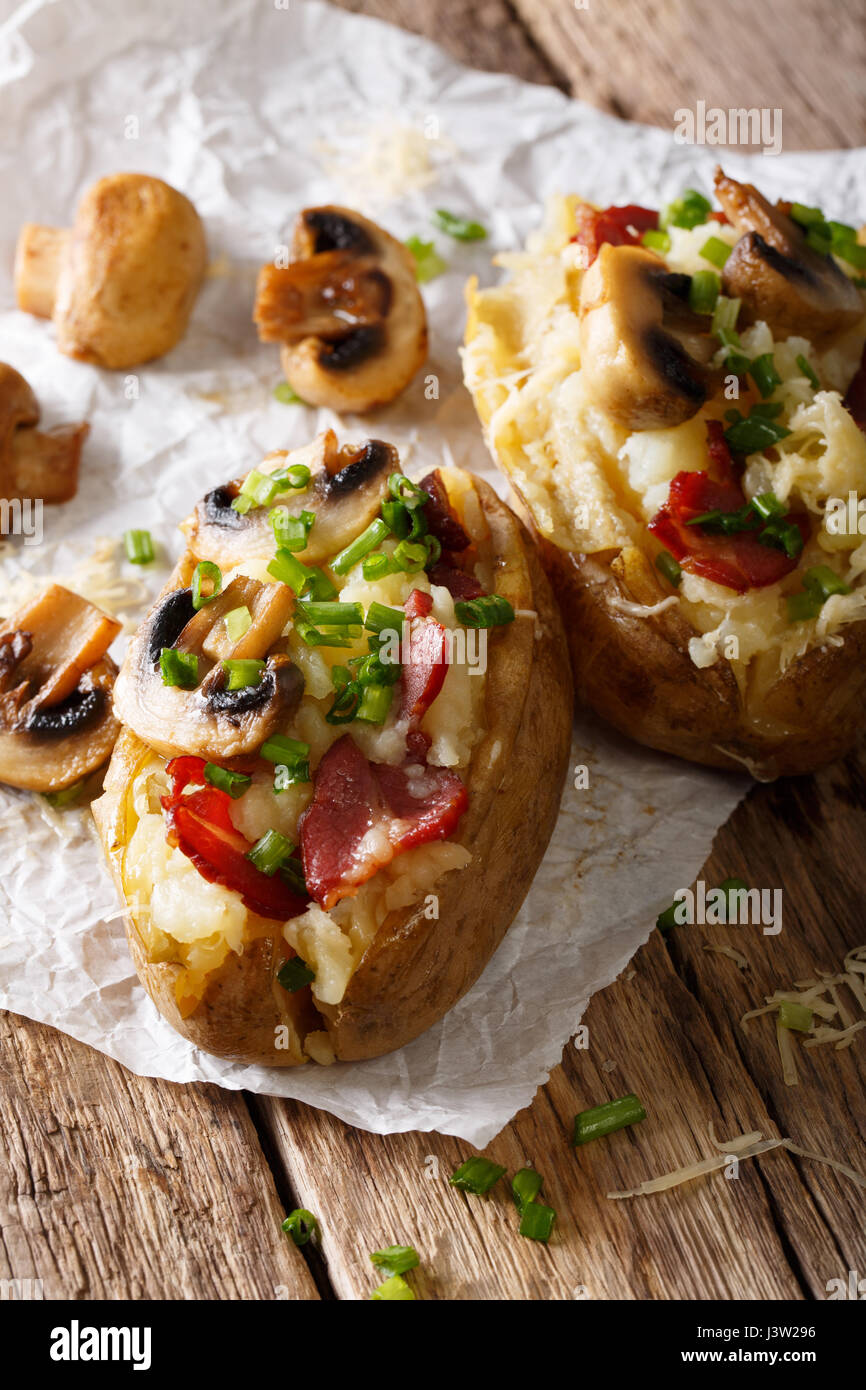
(111, 1185)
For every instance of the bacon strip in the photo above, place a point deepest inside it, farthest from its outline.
(441, 517)
(364, 814)
(618, 226)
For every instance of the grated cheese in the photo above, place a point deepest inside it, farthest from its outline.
(811, 993)
(731, 952)
(97, 577)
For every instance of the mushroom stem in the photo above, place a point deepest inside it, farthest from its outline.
(45, 464)
(38, 259)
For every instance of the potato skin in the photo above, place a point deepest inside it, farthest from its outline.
(416, 968)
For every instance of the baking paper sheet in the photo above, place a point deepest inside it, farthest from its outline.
(254, 111)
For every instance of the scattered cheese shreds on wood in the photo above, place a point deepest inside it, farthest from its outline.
(842, 1037)
(786, 1052)
(851, 1173)
(730, 951)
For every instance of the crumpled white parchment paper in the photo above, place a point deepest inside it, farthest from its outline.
(254, 111)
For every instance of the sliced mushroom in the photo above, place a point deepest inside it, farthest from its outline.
(56, 722)
(346, 309)
(777, 276)
(210, 721)
(34, 463)
(643, 352)
(120, 285)
(345, 491)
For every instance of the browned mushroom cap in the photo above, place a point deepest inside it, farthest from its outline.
(34, 463)
(121, 284)
(56, 722)
(643, 353)
(776, 274)
(344, 493)
(210, 721)
(346, 309)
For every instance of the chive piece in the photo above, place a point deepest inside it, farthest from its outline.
(704, 291)
(375, 703)
(377, 565)
(823, 582)
(476, 1175)
(536, 1221)
(287, 395)
(66, 796)
(691, 210)
(381, 618)
(291, 532)
(259, 489)
(270, 852)
(402, 489)
(294, 973)
(806, 216)
(802, 607)
(346, 704)
(667, 920)
(525, 1187)
(331, 614)
(657, 240)
(396, 1259)
(491, 610)
(205, 571)
(338, 637)
(729, 886)
(768, 505)
(725, 314)
(360, 546)
(397, 517)
(852, 252)
(301, 1225)
(394, 1290)
(669, 567)
(428, 262)
(795, 1016)
(242, 673)
(410, 557)
(756, 432)
(285, 568)
(764, 374)
(716, 251)
(459, 227)
(178, 668)
(139, 547)
(809, 372)
(782, 535)
(605, 1119)
(238, 623)
(280, 749)
(235, 783)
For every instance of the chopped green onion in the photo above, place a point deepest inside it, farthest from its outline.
(690, 210)
(716, 251)
(375, 703)
(782, 535)
(725, 315)
(289, 570)
(842, 232)
(294, 973)
(657, 240)
(235, 783)
(205, 571)
(259, 489)
(291, 532)
(295, 478)
(525, 1187)
(795, 1016)
(360, 546)
(669, 567)
(803, 606)
(270, 852)
(536, 1221)
(704, 291)
(238, 623)
(729, 886)
(824, 582)
(301, 1225)
(735, 360)
(476, 1175)
(605, 1119)
(764, 374)
(66, 796)
(346, 702)
(428, 262)
(756, 432)
(377, 565)
(459, 227)
(336, 637)
(768, 505)
(178, 668)
(398, 518)
(396, 1259)
(806, 216)
(331, 613)
(280, 749)
(852, 252)
(402, 489)
(139, 547)
(667, 920)
(394, 1290)
(809, 372)
(287, 395)
(381, 618)
(490, 610)
(242, 673)
(410, 557)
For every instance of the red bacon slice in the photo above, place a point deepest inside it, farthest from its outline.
(441, 518)
(619, 226)
(200, 826)
(425, 671)
(364, 814)
(458, 582)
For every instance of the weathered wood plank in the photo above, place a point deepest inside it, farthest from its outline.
(644, 59)
(114, 1186)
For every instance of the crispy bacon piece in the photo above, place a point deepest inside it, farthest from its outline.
(425, 671)
(199, 824)
(619, 226)
(364, 814)
(458, 582)
(721, 463)
(442, 520)
(855, 396)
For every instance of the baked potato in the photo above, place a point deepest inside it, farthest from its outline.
(402, 715)
(677, 402)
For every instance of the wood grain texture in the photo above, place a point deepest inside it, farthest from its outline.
(116, 1186)
(644, 59)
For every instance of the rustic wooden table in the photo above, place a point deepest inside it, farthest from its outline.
(113, 1186)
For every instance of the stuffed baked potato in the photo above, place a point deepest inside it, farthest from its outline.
(668, 400)
(265, 706)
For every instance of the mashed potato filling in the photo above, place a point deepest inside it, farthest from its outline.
(592, 486)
